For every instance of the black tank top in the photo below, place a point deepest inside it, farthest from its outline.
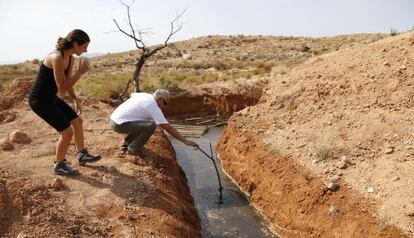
(45, 88)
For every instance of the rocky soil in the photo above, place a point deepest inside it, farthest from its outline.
(120, 196)
(323, 151)
(344, 121)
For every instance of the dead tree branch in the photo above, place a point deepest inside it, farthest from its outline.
(137, 34)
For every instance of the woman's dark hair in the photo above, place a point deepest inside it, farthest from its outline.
(76, 35)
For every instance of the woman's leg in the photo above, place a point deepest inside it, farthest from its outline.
(60, 167)
(52, 113)
(77, 128)
(63, 144)
(83, 155)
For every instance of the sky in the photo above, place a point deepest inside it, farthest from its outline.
(29, 28)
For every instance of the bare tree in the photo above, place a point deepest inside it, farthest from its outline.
(146, 52)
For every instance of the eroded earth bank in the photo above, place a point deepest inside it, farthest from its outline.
(328, 151)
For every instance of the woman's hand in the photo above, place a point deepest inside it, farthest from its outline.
(78, 106)
(84, 66)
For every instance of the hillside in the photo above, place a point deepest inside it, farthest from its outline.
(199, 60)
(343, 120)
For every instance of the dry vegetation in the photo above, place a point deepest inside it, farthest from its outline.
(199, 60)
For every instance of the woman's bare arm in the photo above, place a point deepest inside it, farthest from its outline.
(65, 83)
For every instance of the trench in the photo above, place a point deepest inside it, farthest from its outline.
(235, 217)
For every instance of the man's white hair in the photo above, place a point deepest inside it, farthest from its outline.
(162, 93)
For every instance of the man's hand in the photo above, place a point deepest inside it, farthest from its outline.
(190, 143)
(177, 135)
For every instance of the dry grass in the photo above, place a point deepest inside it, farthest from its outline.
(199, 60)
(323, 153)
(102, 85)
(24, 70)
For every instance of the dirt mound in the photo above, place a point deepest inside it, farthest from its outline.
(348, 116)
(294, 200)
(220, 98)
(15, 93)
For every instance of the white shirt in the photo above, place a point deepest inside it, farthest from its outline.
(139, 107)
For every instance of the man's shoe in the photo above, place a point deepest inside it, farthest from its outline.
(61, 168)
(138, 152)
(84, 157)
(124, 147)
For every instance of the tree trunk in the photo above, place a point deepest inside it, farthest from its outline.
(137, 72)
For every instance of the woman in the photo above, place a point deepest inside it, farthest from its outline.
(55, 74)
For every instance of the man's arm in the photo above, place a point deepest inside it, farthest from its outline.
(174, 133)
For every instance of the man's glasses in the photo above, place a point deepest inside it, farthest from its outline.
(165, 102)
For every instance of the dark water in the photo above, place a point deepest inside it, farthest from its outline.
(235, 217)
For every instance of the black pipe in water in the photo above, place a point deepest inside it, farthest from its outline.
(215, 166)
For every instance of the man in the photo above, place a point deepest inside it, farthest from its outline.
(139, 116)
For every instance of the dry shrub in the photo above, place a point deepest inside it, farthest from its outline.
(323, 153)
(280, 69)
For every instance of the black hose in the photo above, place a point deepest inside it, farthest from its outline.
(215, 166)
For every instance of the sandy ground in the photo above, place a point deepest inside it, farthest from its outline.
(120, 196)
